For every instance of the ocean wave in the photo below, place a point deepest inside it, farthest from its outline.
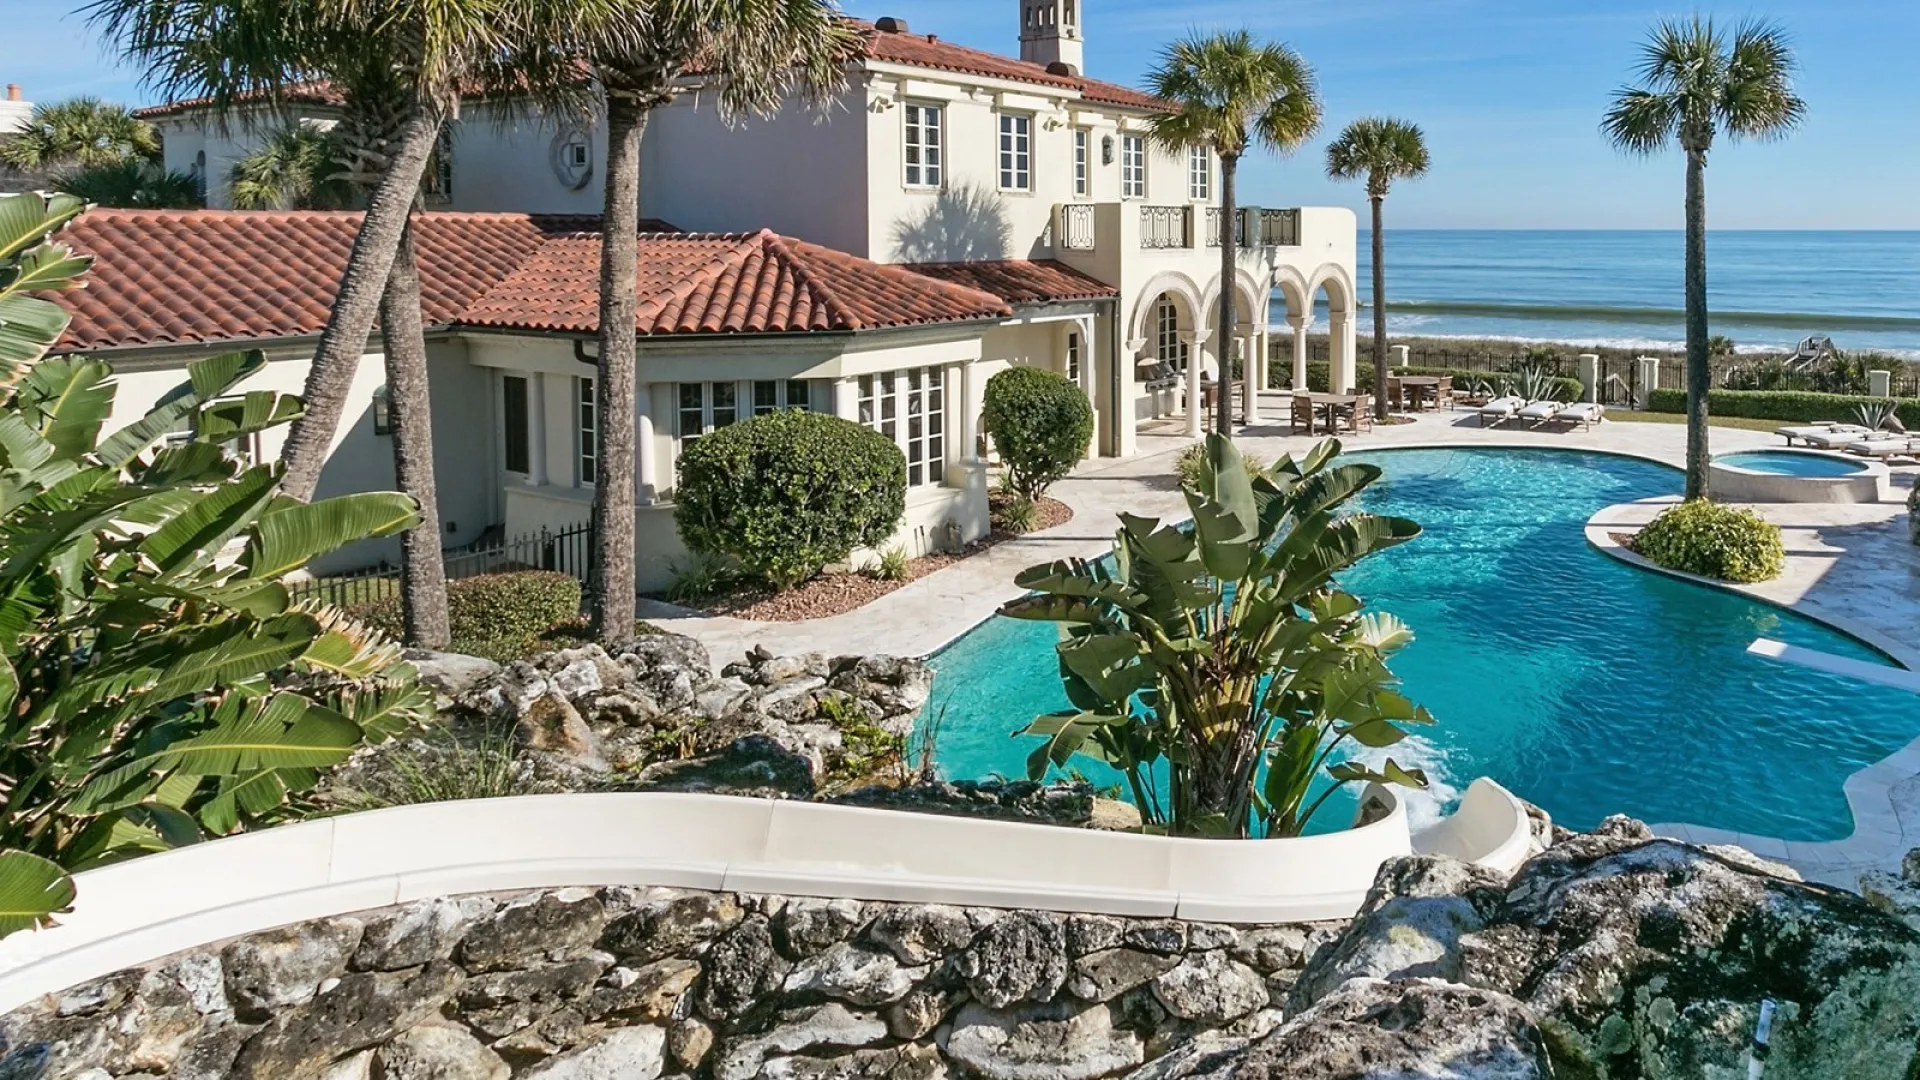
(1597, 313)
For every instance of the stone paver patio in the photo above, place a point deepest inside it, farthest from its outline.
(1850, 566)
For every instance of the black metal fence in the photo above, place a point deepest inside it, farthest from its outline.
(566, 551)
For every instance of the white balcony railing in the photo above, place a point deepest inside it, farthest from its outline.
(1280, 228)
(1077, 227)
(1166, 227)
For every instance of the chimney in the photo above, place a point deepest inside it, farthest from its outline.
(890, 25)
(13, 91)
(1050, 34)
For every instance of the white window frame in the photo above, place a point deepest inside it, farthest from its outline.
(1200, 174)
(1073, 356)
(1133, 166)
(1016, 151)
(586, 429)
(923, 145)
(783, 396)
(890, 402)
(709, 410)
(1082, 162)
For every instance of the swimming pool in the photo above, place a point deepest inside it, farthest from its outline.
(1792, 463)
(1586, 685)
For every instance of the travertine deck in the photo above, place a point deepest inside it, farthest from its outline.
(1850, 566)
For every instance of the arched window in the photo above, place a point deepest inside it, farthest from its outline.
(1172, 350)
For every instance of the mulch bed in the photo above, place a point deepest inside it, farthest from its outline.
(836, 593)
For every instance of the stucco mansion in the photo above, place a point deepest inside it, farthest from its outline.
(954, 212)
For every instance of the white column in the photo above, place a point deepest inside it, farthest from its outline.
(1649, 381)
(1253, 365)
(846, 399)
(1340, 332)
(1590, 375)
(1299, 323)
(644, 485)
(1195, 410)
(536, 430)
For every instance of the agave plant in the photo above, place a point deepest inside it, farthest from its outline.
(1537, 384)
(157, 685)
(1227, 653)
(1875, 414)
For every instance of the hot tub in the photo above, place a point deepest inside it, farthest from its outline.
(1796, 476)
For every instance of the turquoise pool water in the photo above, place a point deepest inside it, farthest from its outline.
(1775, 463)
(1581, 683)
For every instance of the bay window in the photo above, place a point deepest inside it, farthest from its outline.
(706, 407)
(909, 407)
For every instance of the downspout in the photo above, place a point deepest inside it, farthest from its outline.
(1114, 439)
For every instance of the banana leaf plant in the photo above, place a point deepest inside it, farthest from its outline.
(157, 684)
(1225, 655)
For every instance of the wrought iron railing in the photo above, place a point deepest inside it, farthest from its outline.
(567, 551)
(1280, 228)
(1163, 227)
(1076, 226)
(1240, 226)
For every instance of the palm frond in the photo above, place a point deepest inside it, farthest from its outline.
(1758, 100)
(1379, 150)
(1231, 91)
(1641, 121)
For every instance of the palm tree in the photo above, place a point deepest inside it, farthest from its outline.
(752, 54)
(1695, 80)
(135, 183)
(81, 132)
(296, 167)
(1229, 93)
(1379, 150)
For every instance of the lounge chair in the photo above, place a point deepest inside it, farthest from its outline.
(1539, 412)
(1500, 409)
(1839, 436)
(1885, 447)
(1807, 431)
(1584, 413)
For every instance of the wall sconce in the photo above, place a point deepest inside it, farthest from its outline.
(1054, 123)
(882, 103)
(382, 412)
(1106, 149)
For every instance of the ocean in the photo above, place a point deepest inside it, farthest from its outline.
(1766, 290)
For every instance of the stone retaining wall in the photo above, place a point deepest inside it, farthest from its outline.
(599, 984)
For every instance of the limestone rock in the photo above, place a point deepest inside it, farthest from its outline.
(648, 994)
(1371, 1029)
(657, 651)
(629, 1053)
(1168, 937)
(1105, 975)
(1022, 957)
(1115, 815)
(672, 922)
(1269, 949)
(917, 1014)
(849, 973)
(1896, 894)
(921, 933)
(809, 926)
(550, 924)
(271, 970)
(500, 1003)
(1410, 926)
(891, 1063)
(831, 1025)
(1209, 988)
(452, 675)
(1092, 933)
(755, 766)
(1041, 1042)
(551, 725)
(417, 933)
(438, 1052)
(689, 1042)
(364, 1009)
(742, 968)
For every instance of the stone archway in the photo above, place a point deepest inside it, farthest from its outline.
(1334, 280)
(1253, 304)
(1164, 340)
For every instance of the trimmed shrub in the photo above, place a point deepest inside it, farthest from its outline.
(1784, 405)
(1723, 542)
(1041, 423)
(787, 493)
(499, 616)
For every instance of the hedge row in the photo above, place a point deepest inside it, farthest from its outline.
(498, 616)
(1788, 405)
(1320, 377)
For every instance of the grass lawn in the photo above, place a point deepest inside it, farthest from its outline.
(1742, 422)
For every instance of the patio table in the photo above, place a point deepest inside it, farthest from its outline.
(1401, 388)
(1331, 404)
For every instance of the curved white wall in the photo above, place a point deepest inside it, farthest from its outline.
(142, 910)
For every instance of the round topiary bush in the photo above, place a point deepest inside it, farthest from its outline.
(787, 493)
(1042, 425)
(1715, 541)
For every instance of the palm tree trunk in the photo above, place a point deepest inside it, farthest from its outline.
(423, 573)
(1229, 287)
(613, 493)
(356, 304)
(1379, 310)
(1699, 371)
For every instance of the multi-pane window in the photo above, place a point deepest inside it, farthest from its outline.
(707, 407)
(923, 150)
(771, 395)
(1073, 356)
(1082, 167)
(1133, 167)
(910, 408)
(1016, 152)
(587, 410)
(1172, 350)
(514, 420)
(1200, 174)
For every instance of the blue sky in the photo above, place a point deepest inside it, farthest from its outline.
(1510, 93)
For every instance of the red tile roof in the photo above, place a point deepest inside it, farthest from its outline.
(170, 277)
(1020, 281)
(310, 92)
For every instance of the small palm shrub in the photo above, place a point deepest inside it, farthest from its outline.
(1721, 542)
(786, 494)
(1017, 514)
(1041, 423)
(502, 617)
(699, 577)
(891, 565)
(1194, 459)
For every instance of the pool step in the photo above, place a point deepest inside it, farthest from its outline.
(1865, 671)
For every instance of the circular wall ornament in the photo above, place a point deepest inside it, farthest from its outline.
(573, 158)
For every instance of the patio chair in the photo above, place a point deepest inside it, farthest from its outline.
(1443, 392)
(1500, 410)
(1840, 435)
(1302, 413)
(1360, 413)
(1885, 446)
(1823, 428)
(1584, 414)
(1539, 412)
